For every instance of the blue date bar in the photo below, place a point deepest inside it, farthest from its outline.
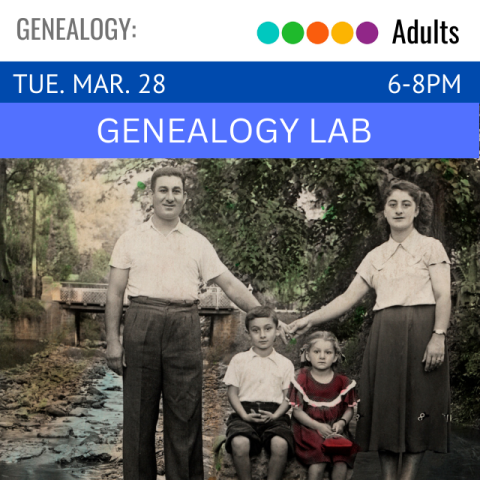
(238, 82)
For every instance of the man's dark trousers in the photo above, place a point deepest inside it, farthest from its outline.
(163, 356)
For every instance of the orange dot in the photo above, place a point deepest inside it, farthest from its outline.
(342, 32)
(317, 32)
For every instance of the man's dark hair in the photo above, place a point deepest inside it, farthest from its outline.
(168, 172)
(261, 312)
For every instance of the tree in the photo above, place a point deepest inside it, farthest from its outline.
(36, 205)
(6, 285)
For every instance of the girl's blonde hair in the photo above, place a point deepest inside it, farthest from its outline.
(312, 339)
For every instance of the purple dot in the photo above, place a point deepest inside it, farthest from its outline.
(367, 32)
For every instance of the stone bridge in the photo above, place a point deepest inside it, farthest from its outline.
(64, 302)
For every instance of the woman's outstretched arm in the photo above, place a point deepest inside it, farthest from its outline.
(337, 307)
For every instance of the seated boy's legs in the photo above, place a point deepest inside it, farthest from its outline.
(240, 446)
(278, 458)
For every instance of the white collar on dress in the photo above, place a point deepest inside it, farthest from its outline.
(412, 245)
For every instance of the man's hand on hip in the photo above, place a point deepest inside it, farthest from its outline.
(116, 356)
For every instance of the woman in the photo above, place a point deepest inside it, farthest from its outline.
(404, 394)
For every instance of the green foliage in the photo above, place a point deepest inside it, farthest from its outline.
(56, 247)
(7, 308)
(30, 308)
(98, 269)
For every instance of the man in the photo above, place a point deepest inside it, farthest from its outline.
(159, 264)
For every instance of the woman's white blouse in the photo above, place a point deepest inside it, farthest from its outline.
(399, 272)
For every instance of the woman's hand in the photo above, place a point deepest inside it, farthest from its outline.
(299, 327)
(283, 331)
(434, 353)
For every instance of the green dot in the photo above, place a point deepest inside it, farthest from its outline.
(141, 185)
(268, 33)
(293, 33)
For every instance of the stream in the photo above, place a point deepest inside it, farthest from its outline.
(66, 448)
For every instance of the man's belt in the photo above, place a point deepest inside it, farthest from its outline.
(162, 302)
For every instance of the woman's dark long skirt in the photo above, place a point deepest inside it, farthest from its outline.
(403, 408)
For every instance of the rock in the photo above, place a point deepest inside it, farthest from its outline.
(22, 413)
(55, 432)
(26, 452)
(293, 471)
(55, 411)
(76, 399)
(90, 400)
(98, 404)
(95, 392)
(89, 452)
(7, 424)
(79, 412)
(116, 388)
(92, 438)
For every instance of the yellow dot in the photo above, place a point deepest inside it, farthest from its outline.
(342, 32)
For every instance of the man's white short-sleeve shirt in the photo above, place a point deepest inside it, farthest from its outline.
(169, 267)
(260, 379)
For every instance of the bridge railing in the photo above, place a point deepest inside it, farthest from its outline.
(212, 297)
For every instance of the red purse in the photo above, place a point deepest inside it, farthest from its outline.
(337, 446)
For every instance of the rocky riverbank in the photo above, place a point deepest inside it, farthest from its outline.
(64, 408)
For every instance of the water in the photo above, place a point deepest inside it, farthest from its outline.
(44, 467)
(30, 470)
(18, 352)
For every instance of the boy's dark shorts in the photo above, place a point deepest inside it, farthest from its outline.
(260, 434)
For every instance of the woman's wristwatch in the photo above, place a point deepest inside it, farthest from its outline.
(440, 332)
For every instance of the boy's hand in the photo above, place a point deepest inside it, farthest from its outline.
(253, 417)
(324, 430)
(338, 427)
(267, 416)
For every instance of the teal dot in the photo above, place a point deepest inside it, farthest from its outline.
(293, 33)
(268, 33)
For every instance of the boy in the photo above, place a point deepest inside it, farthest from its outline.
(258, 380)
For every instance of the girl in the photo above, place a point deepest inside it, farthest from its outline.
(323, 403)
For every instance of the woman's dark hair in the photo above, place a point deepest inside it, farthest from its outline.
(167, 172)
(422, 200)
(260, 312)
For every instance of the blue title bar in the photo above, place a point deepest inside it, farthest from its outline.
(221, 82)
(248, 130)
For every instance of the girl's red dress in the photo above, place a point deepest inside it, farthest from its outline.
(325, 403)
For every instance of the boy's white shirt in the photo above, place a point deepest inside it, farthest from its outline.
(260, 379)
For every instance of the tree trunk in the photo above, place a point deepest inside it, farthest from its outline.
(6, 285)
(34, 237)
(438, 221)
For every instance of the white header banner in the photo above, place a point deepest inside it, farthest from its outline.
(217, 30)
